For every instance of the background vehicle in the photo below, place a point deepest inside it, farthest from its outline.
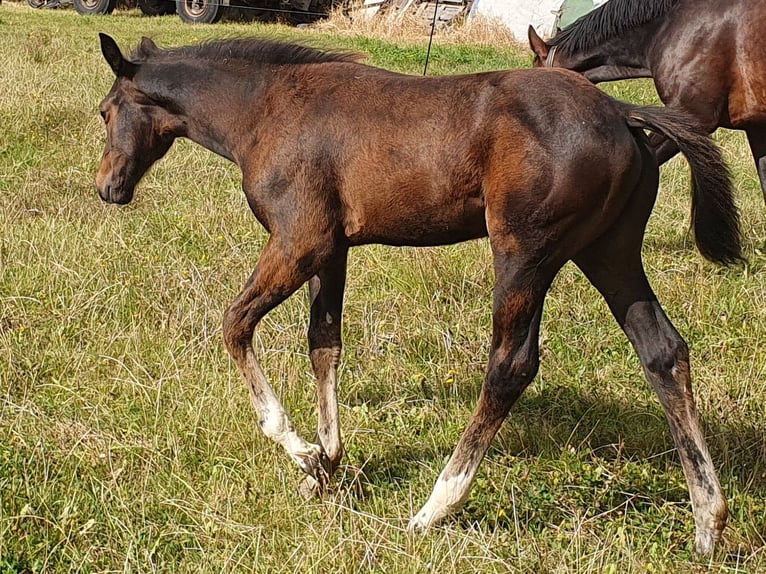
(203, 11)
(148, 7)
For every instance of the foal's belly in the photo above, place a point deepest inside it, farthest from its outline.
(409, 219)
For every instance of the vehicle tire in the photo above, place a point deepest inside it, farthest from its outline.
(94, 6)
(36, 3)
(200, 11)
(157, 7)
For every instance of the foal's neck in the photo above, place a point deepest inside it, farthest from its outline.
(210, 103)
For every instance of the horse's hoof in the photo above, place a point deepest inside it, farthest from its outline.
(314, 463)
(421, 522)
(318, 468)
(416, 527)
(309, 488)
(710, 527)
(705, 540)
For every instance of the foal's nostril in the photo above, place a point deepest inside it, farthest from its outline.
(105, 192)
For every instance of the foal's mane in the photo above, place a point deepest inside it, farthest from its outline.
(244, 50)
(608, 20)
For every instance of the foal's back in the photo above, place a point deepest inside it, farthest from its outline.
(415, 161)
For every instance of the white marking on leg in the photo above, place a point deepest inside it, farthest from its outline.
(325, 361)
(448, 496)
(277, 425)
(328, 417)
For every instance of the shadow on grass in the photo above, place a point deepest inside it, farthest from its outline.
(559, 421)
(565, 456)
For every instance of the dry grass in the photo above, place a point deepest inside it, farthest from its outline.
(476, 31)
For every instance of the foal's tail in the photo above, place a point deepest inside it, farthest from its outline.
(715, 216)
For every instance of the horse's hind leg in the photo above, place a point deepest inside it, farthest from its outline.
(326, 291)
(614, 267)
(664, 148)
(513, 363)
(279, 273)
(756, 136)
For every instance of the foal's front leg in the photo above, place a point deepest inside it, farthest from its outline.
(276, 277)
(326, 291)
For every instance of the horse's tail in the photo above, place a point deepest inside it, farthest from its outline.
(715, 217)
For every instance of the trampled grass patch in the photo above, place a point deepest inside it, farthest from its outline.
(127, 440)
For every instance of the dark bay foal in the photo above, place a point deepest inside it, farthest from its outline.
(335, 153)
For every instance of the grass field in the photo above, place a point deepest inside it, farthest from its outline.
(127, 440)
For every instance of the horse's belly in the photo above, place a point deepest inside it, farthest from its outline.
(406, 219)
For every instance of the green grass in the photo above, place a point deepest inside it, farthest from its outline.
(127, 441)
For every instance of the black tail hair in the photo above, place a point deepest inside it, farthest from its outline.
(715, 217)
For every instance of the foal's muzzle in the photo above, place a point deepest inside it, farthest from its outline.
(111, 193)
(112, 186)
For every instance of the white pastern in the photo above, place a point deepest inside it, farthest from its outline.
(277, 426)
(447, 497)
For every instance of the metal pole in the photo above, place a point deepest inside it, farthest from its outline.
(431, 37)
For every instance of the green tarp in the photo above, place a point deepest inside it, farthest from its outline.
(571, 10)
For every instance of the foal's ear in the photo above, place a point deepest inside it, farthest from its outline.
(147, 46)
(113, 56)
(537, 44)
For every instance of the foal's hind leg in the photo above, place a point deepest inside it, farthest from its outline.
(513, 363)
(614, 267)
(326, 291)
(279, 273)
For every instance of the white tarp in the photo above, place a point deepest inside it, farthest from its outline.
(543, 15)
(519, 14)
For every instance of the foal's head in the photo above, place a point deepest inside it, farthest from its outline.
(139, 129)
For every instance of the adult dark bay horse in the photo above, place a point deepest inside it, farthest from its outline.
(707, 57)
(335, 153)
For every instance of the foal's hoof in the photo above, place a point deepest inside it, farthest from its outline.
(416, 526)
(709, 527)
(705, 542)
(422, 521)
(309, 488)
(313, 461)
(317, 467)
